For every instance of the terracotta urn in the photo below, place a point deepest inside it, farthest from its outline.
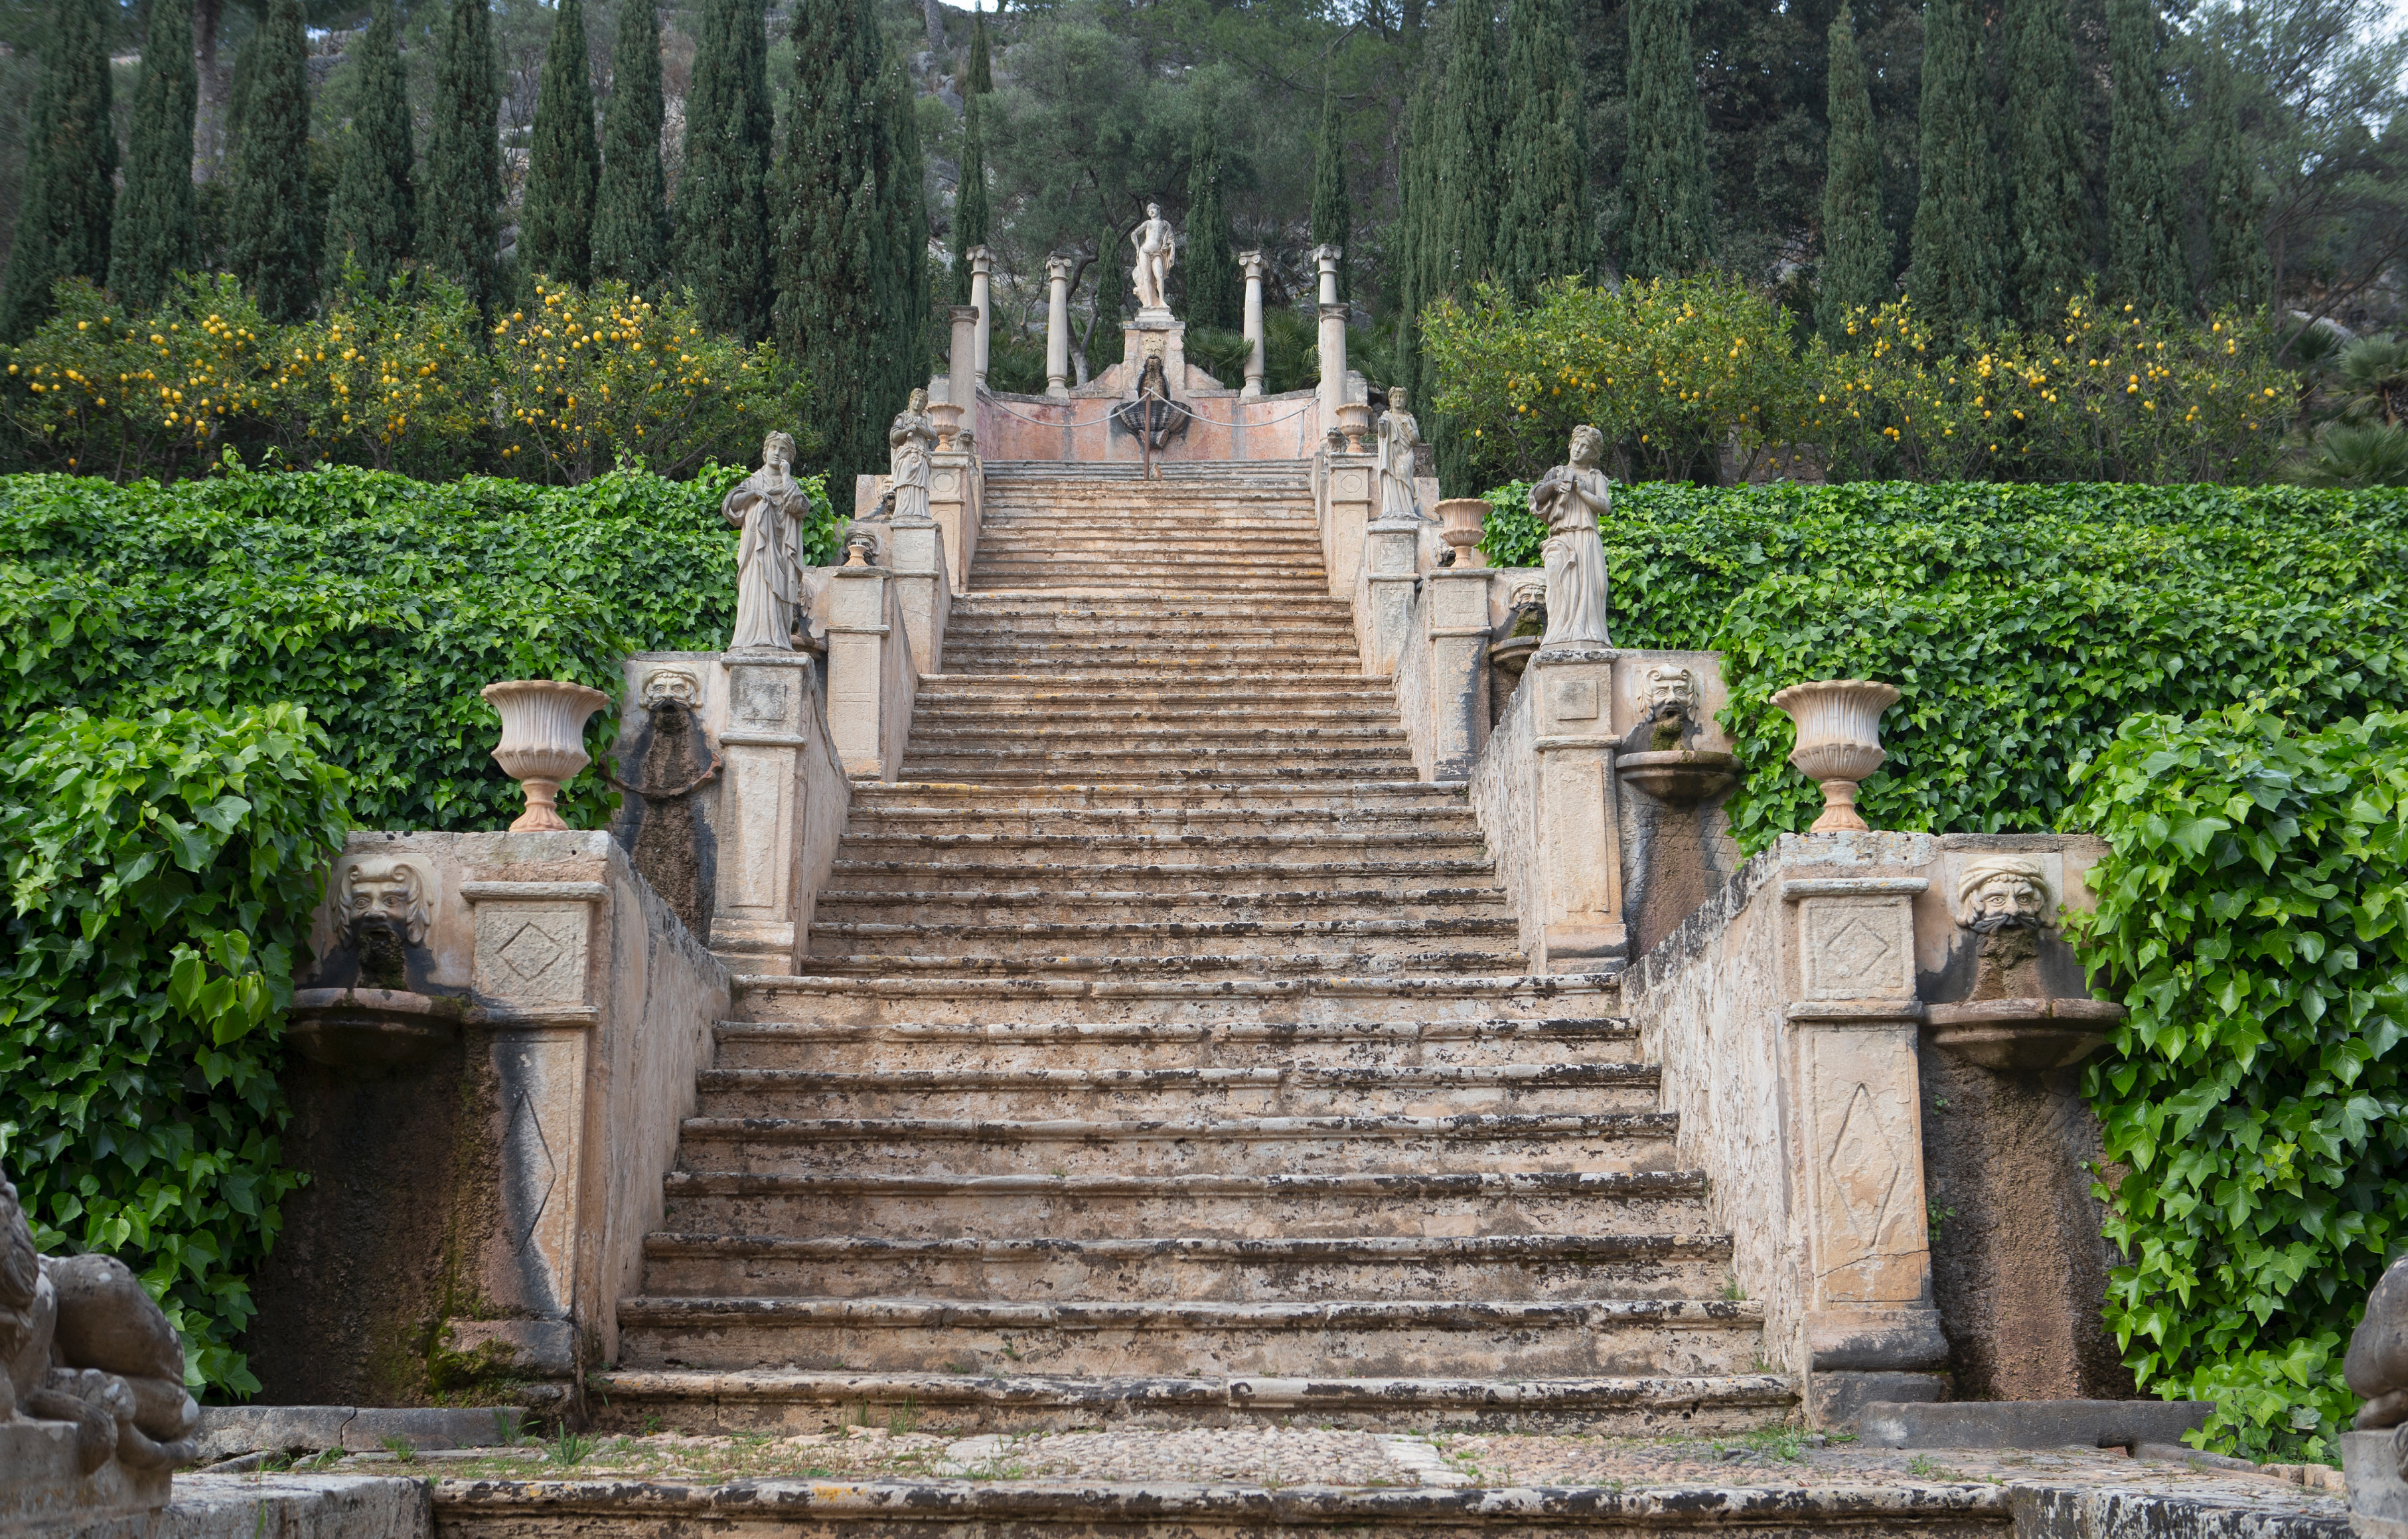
(947, 418)
(1838, 741)
(1459, 520)
(1354, 421)
(543, 741)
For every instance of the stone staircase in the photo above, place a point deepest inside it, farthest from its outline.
(1166, 1054)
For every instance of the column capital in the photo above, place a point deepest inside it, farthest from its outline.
(1253, 263)
(1059, 268)
(982, 261)
(963, 314)
(1327, 257)
(1337, 312)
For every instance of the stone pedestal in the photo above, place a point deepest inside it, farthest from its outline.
(1455, 606)
(1349, 491)
(1579, 844)
(957, 495)
(764, 735)
(921, 560)
(2378, 1497)
(41, 1484)
(870, 674)
(1155, 328)
(1385, 608)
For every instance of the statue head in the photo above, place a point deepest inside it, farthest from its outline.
(1399, 400)
(1153, 211)
(1588, 446)
(390, 892)
(673, 684)
(1669, 685)
(2005, 892)
(1532, 591)
(919, 402)
(778, 449)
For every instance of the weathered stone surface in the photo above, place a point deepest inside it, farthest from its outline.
(2378, 1489)
(2031, 1424)
(281, 1506)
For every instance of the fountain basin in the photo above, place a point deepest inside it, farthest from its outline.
(2022, 1035)
(371, 1028)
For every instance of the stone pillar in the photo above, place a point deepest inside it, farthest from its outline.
(1253, 262)
(1327, 258)
(981, 269)
(1391, 561)
(1848, 978)
(961, 370)
(1057, 325)
(768, 729)
(1333, 338)
(1578, 833)
(1348, 490)
(870, 677)
(956, 491)
(917, 564)
(1455, 609)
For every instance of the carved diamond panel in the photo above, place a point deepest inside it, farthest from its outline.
(532, 952)
(1855, 948)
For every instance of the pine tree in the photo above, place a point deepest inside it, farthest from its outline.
(1208, 259)
(270, 208)
(722, 209)
(1671, 227)
(1333, 220)
(1856, 245)
(2144, 257)
(2239, 273)
(1545, 229)
(1470, 120)
(564, 164)
(2045, 180)
(853, 306)
(982, 81)
(154, 232)
(1956, 276)
(375, 211)
(460, 217)
(631, 216)
(63, 226)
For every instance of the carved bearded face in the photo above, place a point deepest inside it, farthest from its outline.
(2005, 892)
(391, 891)
(673, 684)
(1668, 684)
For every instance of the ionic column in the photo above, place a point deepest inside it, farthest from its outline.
(1252, 263)
(961, 387)
(1333, 338)
(981, 267)
(1057, 325)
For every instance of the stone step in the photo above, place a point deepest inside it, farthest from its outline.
(1017, 1046)
(1208, 678)
(1005, 939)
(944, 733)
(1273, 624)
(1041, 770)
(1553, 1143)
(1062, 900)
(1110, 797)
(1381, 756)
(1181, 1094)
(1133, 964)
(1509, 1339)
(1028, 655)
(1346, 1209)
(1669, 1265)
(1110, 998)
(1133, 570)
(1303, 832)
(1187, 716)
(703, 1400)
(1372, 884)
(1004, 605)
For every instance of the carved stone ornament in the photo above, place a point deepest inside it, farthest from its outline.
(769, 505)
(673, 684)
(1657, 758)
(1569, 500)
(543, 741)
(1838, 741)
(1157, 252)
(81, 1342)
(2013, 1021)
(392, 890)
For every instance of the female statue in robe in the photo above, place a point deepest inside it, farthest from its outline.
(909, 442)
(1397, 435)
(769, 505)
(1569, 500)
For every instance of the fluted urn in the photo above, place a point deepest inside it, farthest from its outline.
(1838, 741)
(1459, 521)
(1354, 421)
(947, 419)
(543, 741)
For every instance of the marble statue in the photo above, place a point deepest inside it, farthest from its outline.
(1156, 253)
(81, 1342)
(769, 505)
(1397, 435)
(909, 442)
(1569, 500)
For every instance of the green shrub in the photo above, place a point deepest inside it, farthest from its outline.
(2022, 622)
(161, 870)
(2253, 915)
(381, 604)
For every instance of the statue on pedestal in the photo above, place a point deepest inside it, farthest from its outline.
(1398, 434)
(769, 505)
(910, 441)
(1569, 500)
(1156, 253)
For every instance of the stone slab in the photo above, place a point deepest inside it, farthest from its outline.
(2030, 1423)
(42, 1486)
(2059, 1512)
(272, 1506)
(1837, 1399)
(2378, 1497)
(227, 1431)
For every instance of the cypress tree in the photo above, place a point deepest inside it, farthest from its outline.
(631, 216)
(853, 295)
(63, 226)
(1956, 276)
(1855, 243)
(2144, 258)
(1209, 261)
(1333, 221)
(981, 61)
(2043, 159)
(971, 214)
(375, 211)
(1545, 229)
(722, 209)
(460, 222)
(154, 232)
(1412, 241)
(1671, 227)
(563, 165)
(275, 250)
(2239, 273)
(1471, 120)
